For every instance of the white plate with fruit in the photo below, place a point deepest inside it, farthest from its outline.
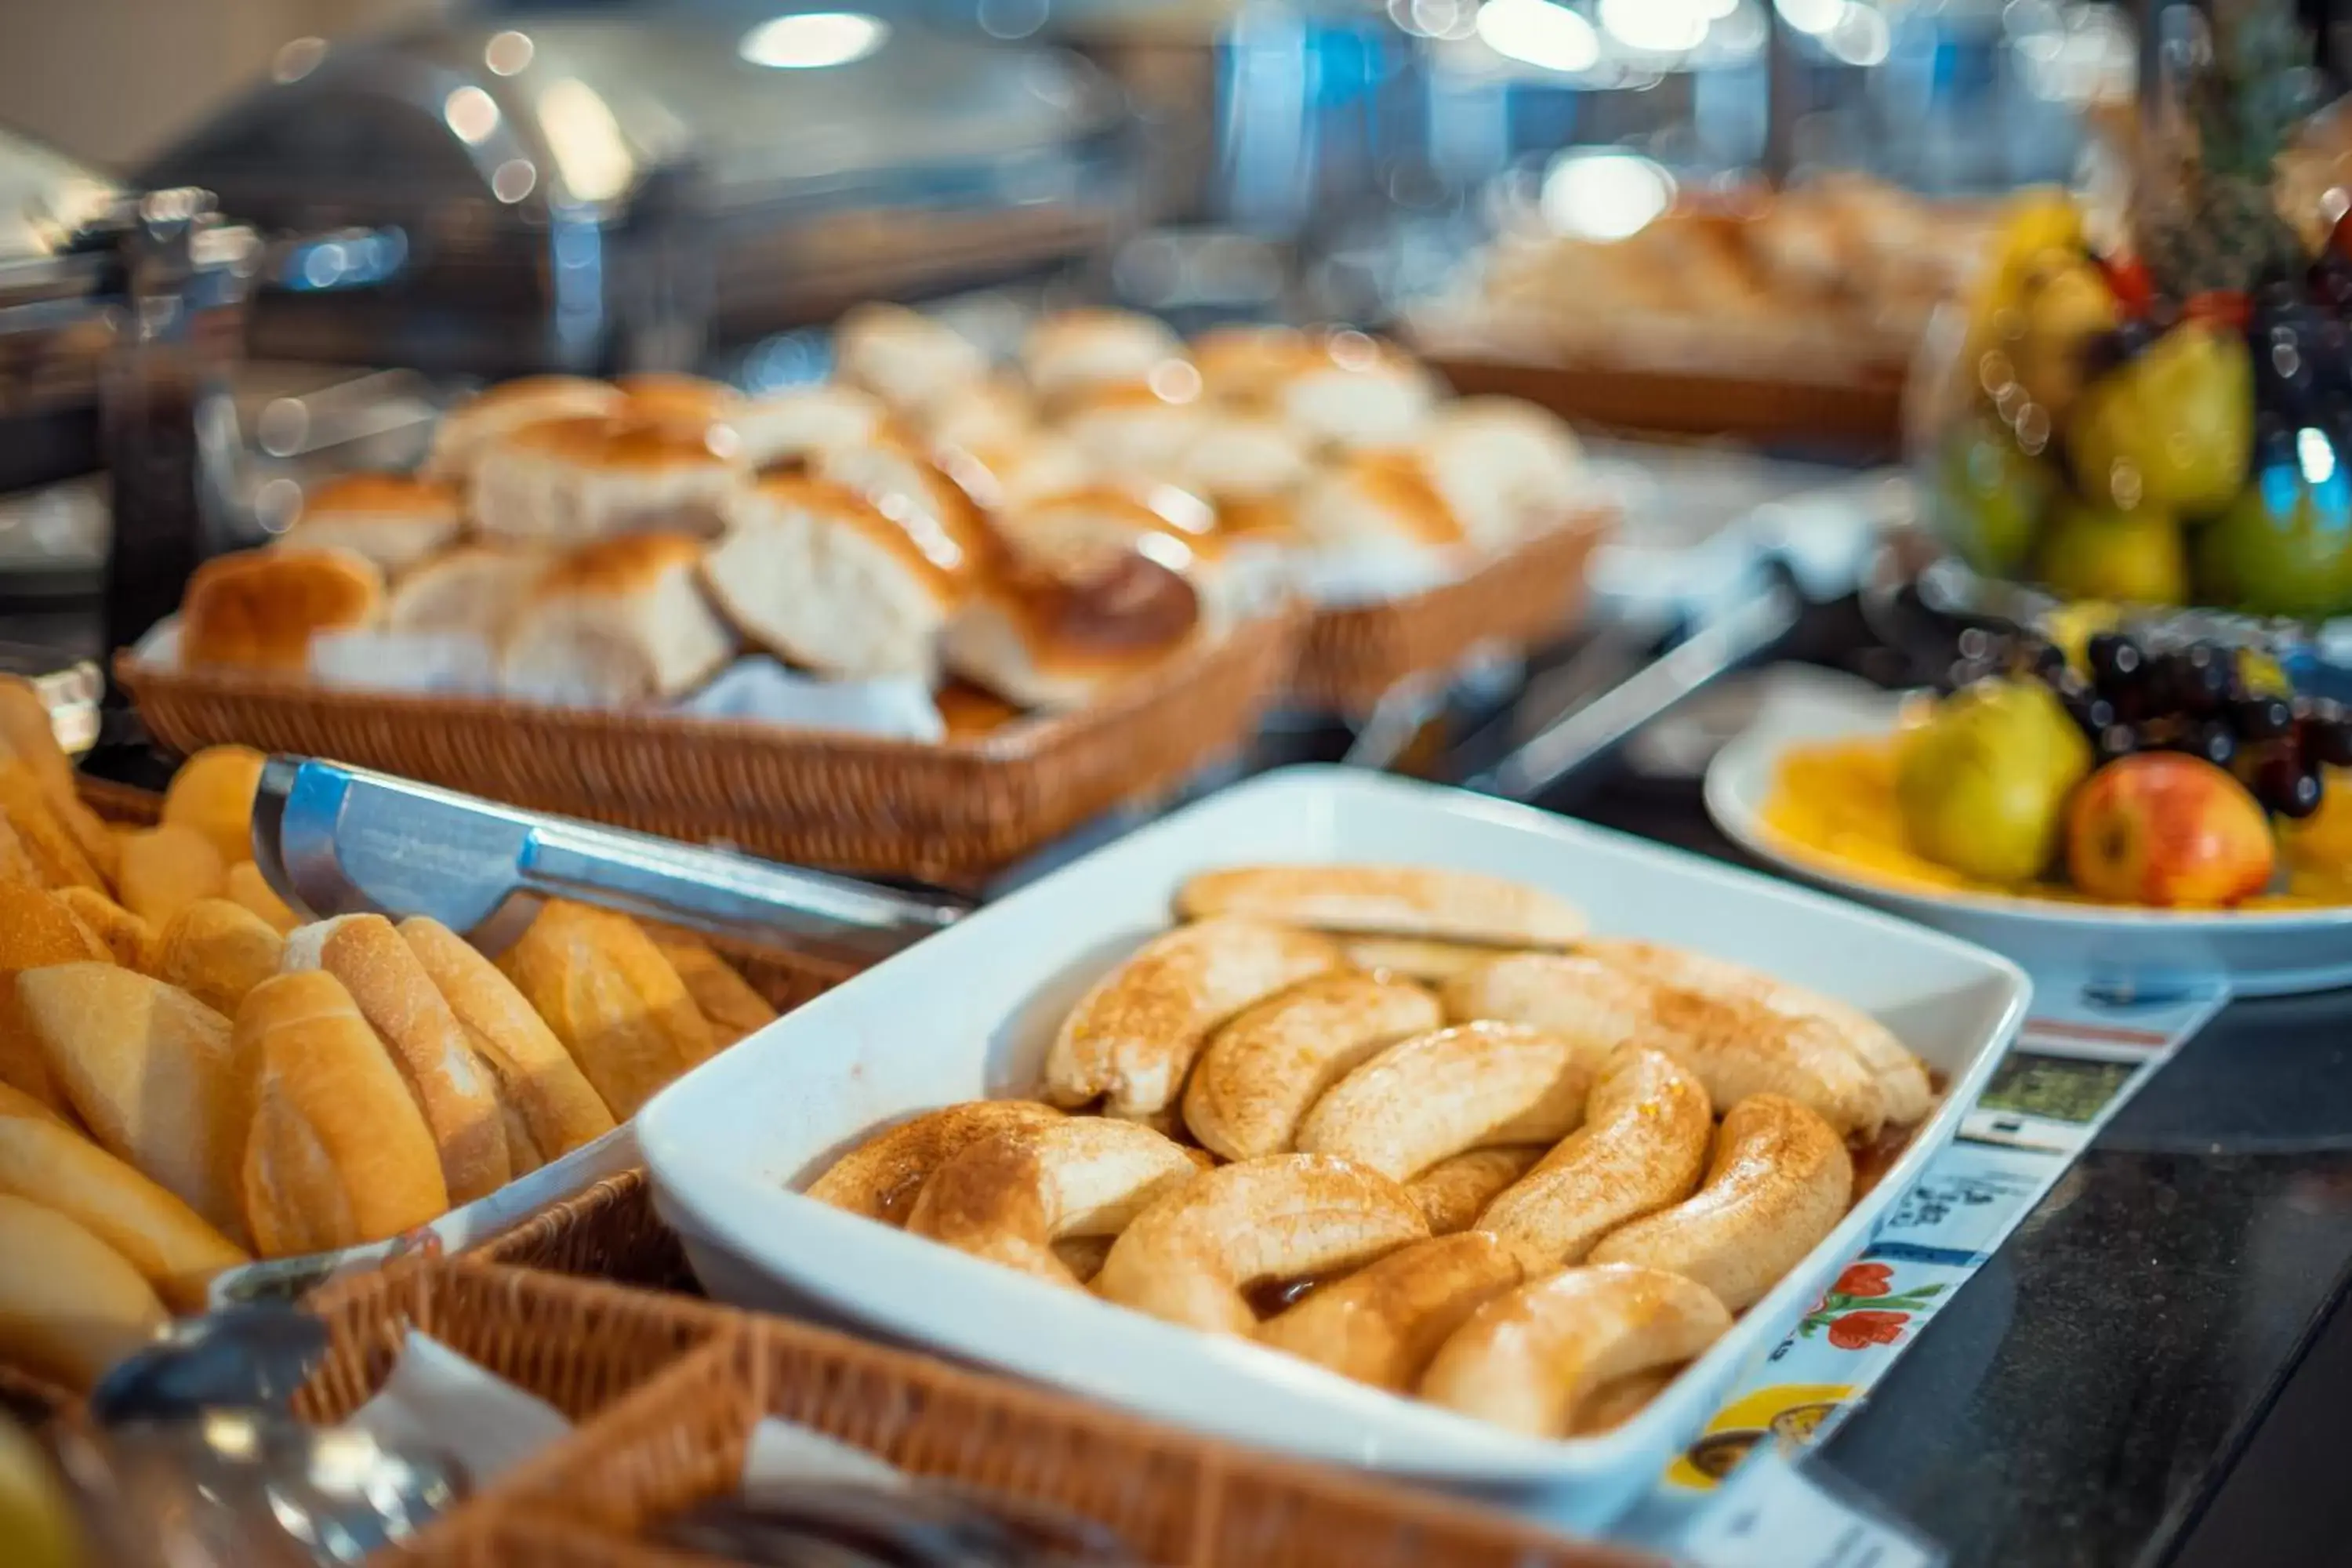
(2120, 861)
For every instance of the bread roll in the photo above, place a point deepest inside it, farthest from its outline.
(1071, 351)
(617, 622)
(1247, 366)
(338, 1155)
(213, 792)
(508, 406)
(15, 1101)
(1504, 468)
(27, 730)
(126, 936)
(692, 403)
(572, 482)
(1043, 640)
(169, 1243)
(1237, 459)
(393, 520)
(473, 589)
(17, 867)
(551, 1106)
(1378, 500)
(817, 574)
(57, 856)
(981, 415)
(216, 951)
(1141, 428)
(150, 1072)
(453, 1089)
(907, 359)
(246, 885)
(257, 609)
(36, 930)
(83, 1309)
(616, 1004)
(164, 869)
(720, 994)
(1359, 392)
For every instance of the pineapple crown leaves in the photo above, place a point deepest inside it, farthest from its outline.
(2248, 97)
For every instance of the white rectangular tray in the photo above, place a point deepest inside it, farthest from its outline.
(968, 1013)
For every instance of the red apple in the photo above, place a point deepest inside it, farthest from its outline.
(2167, 830)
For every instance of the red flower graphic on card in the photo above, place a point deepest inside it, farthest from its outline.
(1864, 1279)
(1858, 1330)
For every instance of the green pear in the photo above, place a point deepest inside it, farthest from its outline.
(2064, 311)
(2282, 547)
(1982, 786)
(2092, 551)
(2171, 429)
(1990, 497)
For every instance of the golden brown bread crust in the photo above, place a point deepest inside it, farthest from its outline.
(36, 930)
(452, 1087)
(1265, 1068)
(373, 491)
(881, 1178)
(164, 869)
(27, 731)
(246, 885)
(668, 396)
(213, 792)
(17, 867)
(84, 1309)
(126, 936)
(1418, 958)
(1392, 900)
(15, 1101)
(1454, 1193)
(627, 443)
(1134, 1036)
(720, 994)
(619, 566)
(608, 994)
(57, 856)
(150, 1072)
(216, 951)
(944, 559)
(1436, 1095)
(259, 609)
(339, 1154)
(1187, 1258)
(168, 1242)
(1381, 1324)
(1779, 1181)
(1008, 1196)
(543, 1090)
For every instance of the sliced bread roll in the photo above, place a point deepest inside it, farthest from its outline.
(473, 589)
(169, 1243)
(617, 622)
(393, 520)
(36, 930)
(570, 481)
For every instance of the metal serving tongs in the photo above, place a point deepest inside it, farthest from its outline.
(334, 840)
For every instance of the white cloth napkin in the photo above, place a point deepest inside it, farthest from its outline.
(449, 663)
(438, 1399)
(760, 688)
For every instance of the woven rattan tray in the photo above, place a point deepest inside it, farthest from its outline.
(1352, 657)
(948, 811)
(681, 1437)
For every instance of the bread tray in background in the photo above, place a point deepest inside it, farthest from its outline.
(948, 811)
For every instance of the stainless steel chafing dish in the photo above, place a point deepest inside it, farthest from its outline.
(596, 194)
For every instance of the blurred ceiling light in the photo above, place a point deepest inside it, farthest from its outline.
(1861, 36)
(1814, 17)
(508, 53)
(1012, 18)
(472, 114)
(513, 179)
(812, 40)
(1540, 34)
(1657, 26)
(297, 59)
(590, 152)
(1604, 195)
(1436, 18)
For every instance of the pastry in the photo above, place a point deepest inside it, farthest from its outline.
(882, 1176)
(27, 730)
(511, 406)
(84, 1309)
(1144, 428)
(394, 994)
(1393, 900)
(1071, 352)
(1419, 958)
(1779, 1181)
(1247, 366)
(1381, 1324)
(1435, 1095)
(473, 591)
(819, 575)
(165, 1240)
(1454, 1193)
(126, 936)
(339, 1154)
(985, 416)
(1505, 467)
(1188, 1256)
(213, 792)
(36, 930)
(1132, 1037)
(691, 402)
(1008, 1196)
(1529, 1360)
(908, 360)
(784, 430)
(55, 854)
(1045, 637)
(1075, 527)
(15, 1101)
(216, 951)
(149, 1070)
(1641, 1147)
(1083, 1256)
(393, 520)
(1262, 1070)
(1901, 1078)
(17, 867)
(1381, 502)
(572, 482)
(907, 486)
(1235, 459)
(164, 869)
(610, 996)
(259, 609)
(1621, 1399)
(617, 622)
(720, 994)
(1357, 392)
(246, 885)
(551, 1106)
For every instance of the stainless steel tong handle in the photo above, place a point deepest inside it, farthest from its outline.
(335, 840)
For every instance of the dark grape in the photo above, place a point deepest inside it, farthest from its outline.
(2262, 718)
(1977, 643)
(2286, 787)
(1966, 673)
(2045, 662)
(2116, 661)
(2330, 351)
(2116, 741)
(2195, 680)
(2091, 713)
(2325, 731)
(2331, 281)
(2215, 741)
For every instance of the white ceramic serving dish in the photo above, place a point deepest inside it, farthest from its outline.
(968, 1013)
(2109, 950)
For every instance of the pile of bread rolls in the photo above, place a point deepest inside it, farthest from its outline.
(190, 1077)
(1040, 531)
(1416, 1127)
